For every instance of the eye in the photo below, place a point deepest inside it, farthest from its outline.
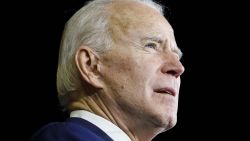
(151, 45)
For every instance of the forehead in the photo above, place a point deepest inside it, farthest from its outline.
(134, 19)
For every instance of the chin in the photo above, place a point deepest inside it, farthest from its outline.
(171, 123)
(167, 122)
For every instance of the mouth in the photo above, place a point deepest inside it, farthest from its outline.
(168, 91)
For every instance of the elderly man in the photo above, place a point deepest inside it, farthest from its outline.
(118, 74)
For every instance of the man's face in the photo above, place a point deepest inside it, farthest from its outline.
(142, 72)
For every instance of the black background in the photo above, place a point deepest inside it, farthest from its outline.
(212, 35)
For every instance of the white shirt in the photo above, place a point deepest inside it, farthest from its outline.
(108, 127)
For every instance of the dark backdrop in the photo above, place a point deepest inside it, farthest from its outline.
(211, 35)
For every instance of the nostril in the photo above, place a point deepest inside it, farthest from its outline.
(174, 68)
(176, 72)
(172, 72)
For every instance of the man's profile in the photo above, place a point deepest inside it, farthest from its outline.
(118, 74)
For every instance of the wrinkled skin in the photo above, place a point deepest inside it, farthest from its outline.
(139, 78)
(138, 65)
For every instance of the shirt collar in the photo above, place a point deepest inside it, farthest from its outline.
(108, 127)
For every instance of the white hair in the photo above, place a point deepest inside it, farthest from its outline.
(89, 26)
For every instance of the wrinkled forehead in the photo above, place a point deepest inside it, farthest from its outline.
(134, 19)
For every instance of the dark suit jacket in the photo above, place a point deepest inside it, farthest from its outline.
(73, 129)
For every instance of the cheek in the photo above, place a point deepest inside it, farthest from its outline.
(130, 73)
(140, 72)
(117, 72)
(125, 67)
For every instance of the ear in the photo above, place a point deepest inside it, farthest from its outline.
(88, 65)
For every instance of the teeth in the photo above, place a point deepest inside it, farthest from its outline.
(161, 91)
(168, 92)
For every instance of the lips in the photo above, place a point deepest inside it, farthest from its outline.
(165, 91)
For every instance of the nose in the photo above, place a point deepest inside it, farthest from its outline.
(173, 66)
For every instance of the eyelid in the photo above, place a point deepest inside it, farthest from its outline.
(152, 43)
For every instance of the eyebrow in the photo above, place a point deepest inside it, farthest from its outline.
(155, 39)
(175, 49)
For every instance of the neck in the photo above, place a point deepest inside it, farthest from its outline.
(131, 125)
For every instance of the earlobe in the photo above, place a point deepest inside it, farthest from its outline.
(87, 63)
